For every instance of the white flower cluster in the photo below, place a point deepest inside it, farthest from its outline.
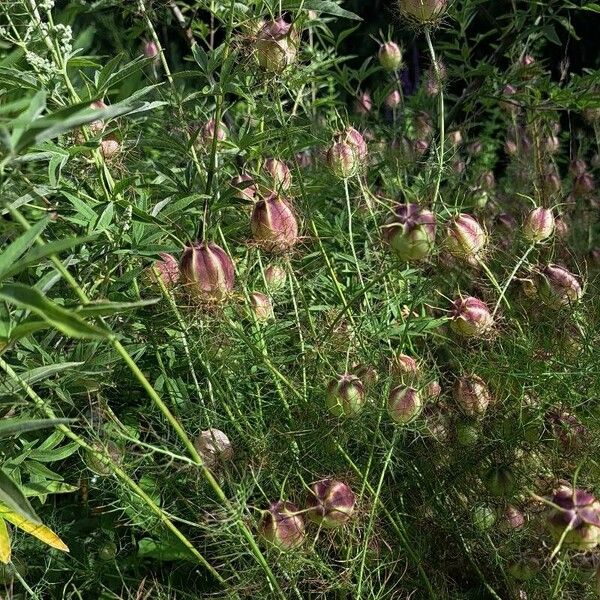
(47, 5)
(64, 35)
(40, 63)
(126, 224)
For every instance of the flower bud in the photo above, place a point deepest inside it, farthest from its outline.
(273, 224)
(410, 232)
(507, 92)
(282, 526)
(538, 225)
(578, 167)
(584, 184)
(214, 447)
(576, 519)
(277, 45)
(393, 99)
(405, 368)
(558, 287)
(276, 277)
(552, 144)
(261, 306)
(167, 268)
(499, 481)
(527, 60)
(330, 503)
(342, 160)
(423, 11)
(244, 187)
(207, 132)
(363, 104)
(345, 396)
(465, 239)
(404, 404)
(280, 172)
(433, 390)
(390, 56)
(109, 146)
(472, 395)
(207, 271)
(150, 49)
(455, 137)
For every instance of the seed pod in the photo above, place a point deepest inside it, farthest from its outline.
(345, 396)
(410, 232)
(466, 239)
(282, 526)
(475, 148)
(472, 395)
(557, 287)
(96, 127)
(208, 131)
(97, 465)
(455, 137)
(207, 271)
(423, 11)
(273, 224)
(280, 173)
(393, 99)
(404, 404)
(276, 277)
(261, 306)
(538, 225)
(109, 146)
(433, 390)
(578, 167)
(357, 141)
(168, 270)
(277, 45)
(552, 144)
(584, 184)
(567, 430)
(342, 160)
(467, 434)
(524, 569)
(512, 519)
(367, 374)
(363, 104)
(390, 56)
(330, 503)
(470, 317)
(499, 481)
(214, 447)
(405, 368)
(527, 60)
(458, 165)
(150, 49)
(483, 516)
(576, 519)
(244, 186)
(507, 93)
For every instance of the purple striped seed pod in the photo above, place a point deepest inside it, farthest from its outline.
(472, 395)
(279, 172)
(470, 317)
(207, 133)
(150, 49)
(557, 287)
(390, 56)
(277, 45)
(410, 232)
(538, 224)
(262, 307)
(363, 103)
(244, 186)
(357, 141)
(274, 225)
(423, 11)
(576, 519)
(393, 99)
(331, 503)
(404, 404)
(214, 447)
(466, 239)
(207, 271)
(405, 368)
(345, 396)
(282, 526)
(109, 146)
(276, 277)
(167, 268)
(342, 160)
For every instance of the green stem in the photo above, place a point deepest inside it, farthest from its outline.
(510, 278)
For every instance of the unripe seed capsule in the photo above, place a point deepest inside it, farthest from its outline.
(330, 503)
(390, 56)
(472, 395)
(404, 404)
(345, 396)
(470, 317)
(538, 225)
(282, 526)
(207, 271)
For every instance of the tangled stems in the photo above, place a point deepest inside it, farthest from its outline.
(510, 278)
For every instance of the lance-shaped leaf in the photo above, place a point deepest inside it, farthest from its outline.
(4, 543)
(9, 427)
(16, 249)
(14, 500)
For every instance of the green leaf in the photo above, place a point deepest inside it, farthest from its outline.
(34, 528)
(15, 250)
(103, 309)
(65, 321)
(16, 426)
(12, 497)
(324, 6)
(47, 487)
(4, 543)
(149, 548)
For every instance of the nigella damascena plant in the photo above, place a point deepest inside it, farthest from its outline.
(282, 525)
(274, 225)
(207, 272)
(330, 503)
(345, 396)
(423, 11)
(277, 45)
(342, 160)
(557, 287)
(575, 519)
(279, 173)
(472, 395)
(466, 239)
(410, 232)
(404, 404)
(261, 305)
(471, 317)
(538, 225)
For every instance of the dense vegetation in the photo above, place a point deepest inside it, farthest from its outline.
(296, 304)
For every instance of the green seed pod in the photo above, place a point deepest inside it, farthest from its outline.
(282, 526)
(500, 481)
(404, 404)
(345, 396)
(330, 503)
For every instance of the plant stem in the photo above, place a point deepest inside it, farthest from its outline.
(510, 278)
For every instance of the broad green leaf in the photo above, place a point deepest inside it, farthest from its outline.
(48, 456)
(41, 532)
(103, 309)
(17, 248)
(65, 321)
(324, 6)
(4, 543)
(16, 426)
(47, 487)
(12, 498)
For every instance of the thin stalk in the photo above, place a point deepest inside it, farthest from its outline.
(510, 278)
